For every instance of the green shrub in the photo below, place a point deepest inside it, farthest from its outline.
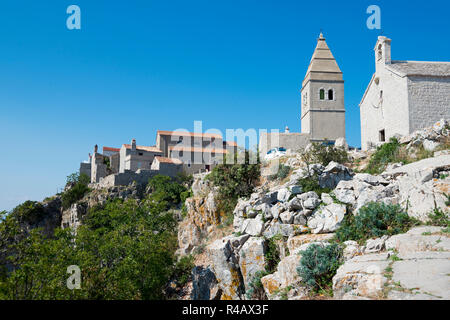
(318, 265)
(386, 153)
(438, 218)
(183, 270)
(235, 181)
(323, 153)
(283, 172)
(272, 254)
(374, 220)
(164, 189)
(78, 184)
(256, 289)
(30, 212)
(312, 184)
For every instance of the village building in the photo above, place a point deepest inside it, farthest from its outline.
(197, 151)
(134, 157)
(322, 113)
(175, 152)
(402, 96)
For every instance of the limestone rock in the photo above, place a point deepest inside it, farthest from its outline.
(225, 264)
(332, 174)
(375, 245)
(285, 275)
(296, 242)
(327, 219)
(253, 227)
(251, 258)
(287, 217)
(361, 276)
(204, 284)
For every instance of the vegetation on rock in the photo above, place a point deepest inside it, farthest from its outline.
(318, 265)
(125, 250)
(374, 220)
(76, 188)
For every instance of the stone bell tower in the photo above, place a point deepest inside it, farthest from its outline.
(323, 108)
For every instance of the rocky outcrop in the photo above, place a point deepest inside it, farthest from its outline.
(224, 255)
(204, 284)
(413, 265)
(73, 216)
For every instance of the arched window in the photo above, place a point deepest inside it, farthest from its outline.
(322, 94)
(379, 52)
(330, 94)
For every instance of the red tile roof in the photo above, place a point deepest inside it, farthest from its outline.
(144, 148)
(169, 160)
(111, 149)
(197, 149)
(191, 134)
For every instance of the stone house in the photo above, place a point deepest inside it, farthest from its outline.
(134, 157)
(402, 96)
(322, 105)
(197, 151)
(167, 166)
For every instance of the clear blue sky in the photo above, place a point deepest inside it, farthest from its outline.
(139, 66)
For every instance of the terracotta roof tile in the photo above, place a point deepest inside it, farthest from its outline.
(144, 148)
(169, 160)
(191, 134)
(111, 149)
(197, 149)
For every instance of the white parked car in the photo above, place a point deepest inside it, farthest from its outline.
(275, 153)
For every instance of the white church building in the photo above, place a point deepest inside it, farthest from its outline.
(402, 96)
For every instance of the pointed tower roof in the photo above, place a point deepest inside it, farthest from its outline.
(323, 66)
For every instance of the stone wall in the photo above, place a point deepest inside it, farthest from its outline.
(125, 178)
(429, 101)
(389, 113)
(294, 141)
(85, 168)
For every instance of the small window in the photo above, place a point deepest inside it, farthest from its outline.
(380, 52)
(382, 136)
(330, 94)
(322, 94)
(139, 165)
(141, 153)
(181, 153)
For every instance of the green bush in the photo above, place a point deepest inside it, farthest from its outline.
(125, 250)
(438, 218)
(164, 189)
(312, 184)
(235, 181)
(323, 153)
(78, 184)
(256, 289)
(374, 220)
(386, 153)
(272, 254)
(318, 265)
(183, 270)
(283, 172)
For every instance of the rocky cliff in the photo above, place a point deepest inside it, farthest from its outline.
(284, 213)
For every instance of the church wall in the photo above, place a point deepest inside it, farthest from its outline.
(391, 115)
(429, 101)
